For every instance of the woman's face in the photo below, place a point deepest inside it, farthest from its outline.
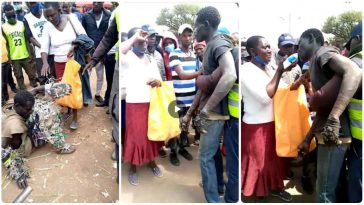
(52, 15)
(263, 50)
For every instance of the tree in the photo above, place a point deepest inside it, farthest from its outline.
(180, 14)
(341, 26)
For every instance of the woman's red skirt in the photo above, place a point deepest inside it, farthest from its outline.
(261, 169)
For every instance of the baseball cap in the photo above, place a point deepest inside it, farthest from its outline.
(183, 27)
(149, 29)
(357, 31)
(223, 30)
(286, 39)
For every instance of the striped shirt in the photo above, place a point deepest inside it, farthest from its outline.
(185, 89)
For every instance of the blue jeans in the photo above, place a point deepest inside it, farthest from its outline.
(355, 172)
(231, 141)
(219, 165)
(209, 144)
(86, 88)
(329, 162)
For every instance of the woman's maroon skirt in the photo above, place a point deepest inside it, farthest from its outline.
(261, 169)
(137, 148)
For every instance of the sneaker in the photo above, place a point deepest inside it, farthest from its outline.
(285, 196)
(98, 104)
(162, 153)
(133, 178)
(74, 125)
(67, 149)
(174, 159)
(99, 99)
(157, 172)
(185, 154)
(307, 184)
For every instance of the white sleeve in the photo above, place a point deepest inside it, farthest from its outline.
(46, 39)
(255, 87)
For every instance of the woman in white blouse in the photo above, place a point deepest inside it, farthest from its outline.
(262, 170)
(57, 40)
(139, 73)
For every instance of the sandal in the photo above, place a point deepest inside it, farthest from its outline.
(157, 172)
(133, 178)
(67, 149)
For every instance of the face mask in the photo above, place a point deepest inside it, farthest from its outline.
(12, 21)
(18, 7)
(260, 61)
(36, 8)
(170, 48)
(138, 51)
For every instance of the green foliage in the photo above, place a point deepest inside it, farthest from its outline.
(180, 14)
(341, 26)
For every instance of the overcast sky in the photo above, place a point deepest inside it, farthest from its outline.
(138, 14)
(254, 17)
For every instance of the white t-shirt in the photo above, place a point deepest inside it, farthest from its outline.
(59, 42)
(36, 26)
(258, 106)
(99, 21)
(134, 75)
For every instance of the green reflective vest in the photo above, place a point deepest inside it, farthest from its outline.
(118, 28)
(355, 110)
(233, 101)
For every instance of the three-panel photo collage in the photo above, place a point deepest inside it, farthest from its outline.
(181, 101)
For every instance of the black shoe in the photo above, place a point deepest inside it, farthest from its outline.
(14, 90)
(108, 112)
(285, 196)
(307, 184)
(101, 104)
(174, 159)
(99, 99)
(185, 154)
(85, 104)
(162, 153)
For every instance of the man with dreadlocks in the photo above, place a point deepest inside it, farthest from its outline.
(32, 120)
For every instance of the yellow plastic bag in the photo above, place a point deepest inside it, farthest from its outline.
(292, 120)
(161, 125)
(72, 77)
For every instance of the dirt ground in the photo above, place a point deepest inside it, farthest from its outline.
(87, 175)
(181, 184)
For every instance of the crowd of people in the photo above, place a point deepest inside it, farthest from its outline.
(211, 81)
(57, 48)
(333, 142)
(202, 63)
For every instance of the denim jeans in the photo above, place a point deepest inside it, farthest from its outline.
(355, 171)
(219, 165)
(86, 88)
(209, 144)
(329, 162)
(231, 141)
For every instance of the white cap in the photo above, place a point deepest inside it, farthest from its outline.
(183, 27)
